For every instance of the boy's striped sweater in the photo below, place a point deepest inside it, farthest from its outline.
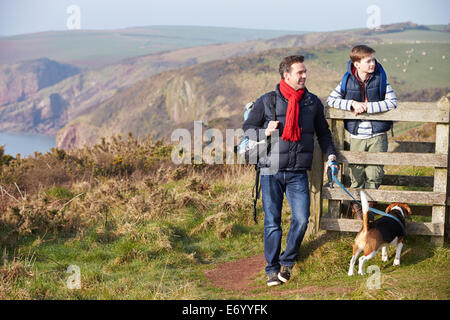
(335, 100)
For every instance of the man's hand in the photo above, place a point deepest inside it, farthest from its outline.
(359, 107)
(273, 125)
(331, 163)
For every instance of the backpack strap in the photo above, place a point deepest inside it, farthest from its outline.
(383, 82)
(273, 102)
(256, 191)
(344, 84)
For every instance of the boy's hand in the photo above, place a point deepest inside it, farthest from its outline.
(359, 107)
(272, 126)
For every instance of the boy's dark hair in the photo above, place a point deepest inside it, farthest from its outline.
(286, 63)
(360, 52)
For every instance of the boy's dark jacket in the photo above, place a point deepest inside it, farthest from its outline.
(288, 155)
(354, 92)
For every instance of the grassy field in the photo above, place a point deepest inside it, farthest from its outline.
(127, 268)
(409, 66)
(138, 227)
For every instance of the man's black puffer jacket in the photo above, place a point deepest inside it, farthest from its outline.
(293, 156)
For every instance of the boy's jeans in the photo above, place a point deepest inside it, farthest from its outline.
(295, 185)
(368, 176)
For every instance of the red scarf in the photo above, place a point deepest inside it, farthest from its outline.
(291, 131)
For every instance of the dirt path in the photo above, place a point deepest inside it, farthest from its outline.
(238, 276)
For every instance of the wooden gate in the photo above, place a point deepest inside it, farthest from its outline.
(434, 203)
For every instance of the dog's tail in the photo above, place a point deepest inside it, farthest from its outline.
(365, 210)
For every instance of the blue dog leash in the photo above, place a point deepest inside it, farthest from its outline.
(333, 167)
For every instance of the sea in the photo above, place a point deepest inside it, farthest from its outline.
(26, 144)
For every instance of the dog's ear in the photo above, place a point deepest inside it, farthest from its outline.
(406, 207)
(389, 207)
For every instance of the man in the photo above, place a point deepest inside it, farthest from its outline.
(299, 114)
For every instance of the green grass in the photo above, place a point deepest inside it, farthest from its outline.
(59, 193)
(324, 261)
(403, 127)
(394, 59)
(162, 260)
(417, 35)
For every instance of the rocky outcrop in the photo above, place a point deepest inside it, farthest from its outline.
(76, 135)
(21, 80)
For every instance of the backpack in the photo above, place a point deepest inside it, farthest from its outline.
(249, 149)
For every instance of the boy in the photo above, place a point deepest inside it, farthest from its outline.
(364, 88)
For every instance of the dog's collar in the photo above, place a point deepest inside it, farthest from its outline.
(398, 208)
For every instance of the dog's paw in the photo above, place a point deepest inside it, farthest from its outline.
(396, 262)
(384, 258)
(361, 273)
(350, 273)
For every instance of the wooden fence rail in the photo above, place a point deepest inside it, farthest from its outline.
(424, 154)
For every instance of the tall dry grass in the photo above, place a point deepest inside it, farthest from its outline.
(115, 186)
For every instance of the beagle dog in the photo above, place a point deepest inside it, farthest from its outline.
(378, 234)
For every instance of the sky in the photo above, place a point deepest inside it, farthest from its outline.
(29, 16)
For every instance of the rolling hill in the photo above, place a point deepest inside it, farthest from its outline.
(97, 48)
(86, 90)
(216, 91)
(212, 92)
(152, 94)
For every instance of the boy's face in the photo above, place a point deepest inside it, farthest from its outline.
(366, 65)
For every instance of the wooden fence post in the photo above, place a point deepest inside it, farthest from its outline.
(337, 128)
(441, 104)
(441, 175)
(315, 182)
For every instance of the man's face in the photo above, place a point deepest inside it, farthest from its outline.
(366, 65)
(296, 78)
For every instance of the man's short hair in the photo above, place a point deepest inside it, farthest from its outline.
(360, 52)
(286, 63)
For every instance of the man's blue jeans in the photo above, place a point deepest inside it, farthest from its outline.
(295, 185)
